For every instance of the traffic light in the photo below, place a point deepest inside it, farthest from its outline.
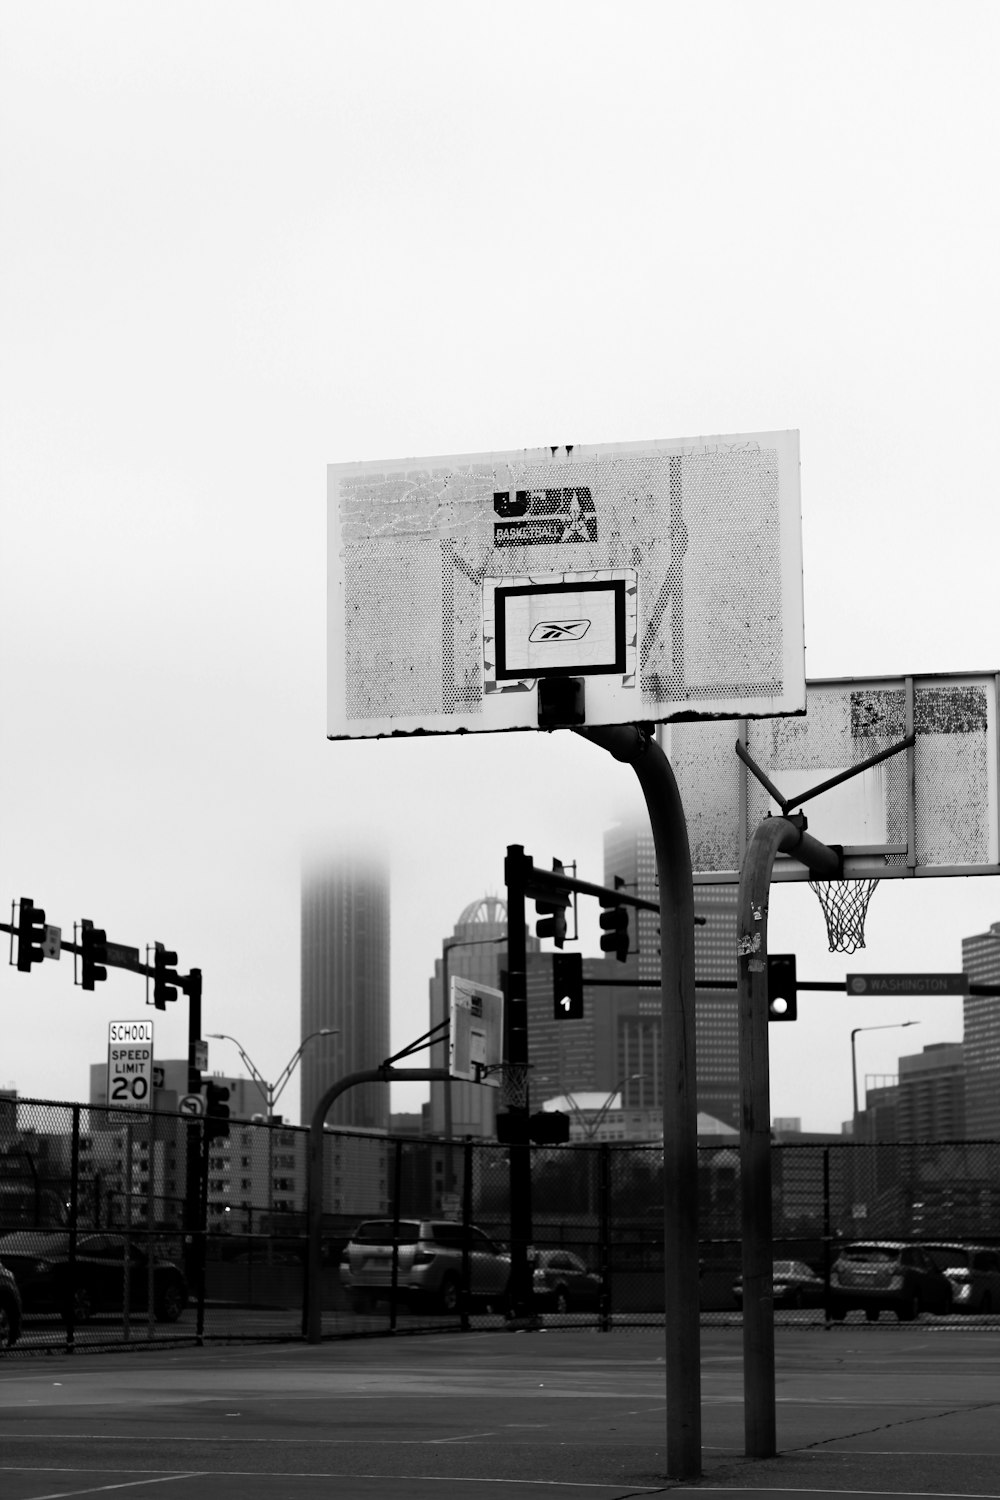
(512, 1127)
(30, 934)
(567, 986)
(93, 954)
(165, 976)
(216, 1112)
(782, 996)
(553, 912)
(549, 1127)
(614, 925)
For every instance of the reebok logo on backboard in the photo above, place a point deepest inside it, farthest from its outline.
(560, 630)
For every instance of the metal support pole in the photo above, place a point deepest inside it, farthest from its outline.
(636, 747)
(192, 1192)
(312, 1312)
(771, 837)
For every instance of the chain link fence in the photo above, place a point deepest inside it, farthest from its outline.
(121, 1227)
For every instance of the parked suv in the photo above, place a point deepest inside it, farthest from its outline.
(886, 1275)
(974, 1273)
(430, 1259)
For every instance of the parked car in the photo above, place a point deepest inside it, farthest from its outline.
(795, 1285)
(430, 1259)
(974, 1273)
(887, 1276)
(10, 1308)
(95, 1283)
(28, 1205)
(562, 1281)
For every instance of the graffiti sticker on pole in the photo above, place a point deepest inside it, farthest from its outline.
(130, 1063)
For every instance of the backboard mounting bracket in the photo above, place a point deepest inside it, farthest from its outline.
(787, 803)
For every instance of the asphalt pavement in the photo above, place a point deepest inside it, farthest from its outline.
(862, 1409)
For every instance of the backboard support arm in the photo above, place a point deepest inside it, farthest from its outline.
(636, 746)
(787, 803)
(772, 837)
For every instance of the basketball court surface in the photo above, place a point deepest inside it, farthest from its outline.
(861, 1410)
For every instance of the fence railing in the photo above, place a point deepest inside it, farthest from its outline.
(119, 1225)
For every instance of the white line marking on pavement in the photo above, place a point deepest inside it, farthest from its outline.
(407, 1479)
(464, 1437)
(102, 1489)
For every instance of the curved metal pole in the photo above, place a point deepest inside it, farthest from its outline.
(313, 1312)
(636, 747)
(774, 835)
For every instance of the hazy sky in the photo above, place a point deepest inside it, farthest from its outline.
(241, 241)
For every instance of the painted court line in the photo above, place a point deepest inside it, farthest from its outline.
(410, 1480)
(103, 1489)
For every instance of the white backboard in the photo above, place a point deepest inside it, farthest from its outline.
(668, 575)
(932, 809)
(475, 1035)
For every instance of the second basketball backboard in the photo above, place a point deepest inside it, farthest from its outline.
(475, 1034)
(928, 809)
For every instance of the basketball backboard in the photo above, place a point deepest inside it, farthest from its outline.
(930, 809)
(475, 1034)
(666, 575)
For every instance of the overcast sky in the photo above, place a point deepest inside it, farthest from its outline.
(241, 241)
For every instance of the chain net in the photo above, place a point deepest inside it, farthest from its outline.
(845, 906)
(513, 1084)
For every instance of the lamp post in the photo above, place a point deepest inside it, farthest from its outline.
(272, 1092)
(591, 1128)
(889, 1026)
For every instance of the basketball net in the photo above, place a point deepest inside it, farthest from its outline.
(513, 1083)
(845, 905)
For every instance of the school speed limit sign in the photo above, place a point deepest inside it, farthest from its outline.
(130, 1063)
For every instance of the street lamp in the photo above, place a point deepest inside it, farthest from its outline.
(591, 1128)
(272, 1092)
(890, 1026)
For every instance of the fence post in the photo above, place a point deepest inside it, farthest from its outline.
(604, 1232)
(466, 1222)
(826, 1235)
(397, 1163)
(74, 1211)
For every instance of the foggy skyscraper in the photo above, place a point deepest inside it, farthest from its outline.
(345, 983)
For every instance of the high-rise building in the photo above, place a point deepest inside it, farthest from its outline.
(932, 1094)
(629, 854)
(345, 984)
(981, 961)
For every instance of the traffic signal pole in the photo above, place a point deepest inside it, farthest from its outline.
(516, 868)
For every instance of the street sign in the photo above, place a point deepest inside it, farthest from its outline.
(191, 1104)
(907, 984)
(130, 1063)
(201, 1056)
(122, 956)
(52, 946)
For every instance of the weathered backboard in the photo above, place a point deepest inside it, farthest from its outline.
(668, 575)
(928, 810)
(475, 1035)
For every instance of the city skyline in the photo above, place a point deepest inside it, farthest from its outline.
(221, 274)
